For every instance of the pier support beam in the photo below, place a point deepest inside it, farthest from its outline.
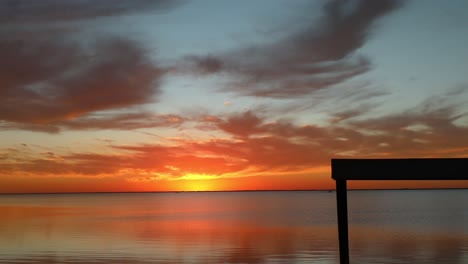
(342, 209)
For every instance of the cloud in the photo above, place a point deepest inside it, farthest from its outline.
(55, 11)
(261, 147)
(428, 129)
(55, 72)
(241, 125)
(125, 121)
(129, 161)
(49, 80)
(96, 121)
(303, 62)
(432, 128)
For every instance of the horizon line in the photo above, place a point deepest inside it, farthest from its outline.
(230, 191)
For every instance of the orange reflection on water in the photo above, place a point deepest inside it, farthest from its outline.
(247, 227)
(173, 228)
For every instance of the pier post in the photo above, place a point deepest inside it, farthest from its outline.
(342, 209)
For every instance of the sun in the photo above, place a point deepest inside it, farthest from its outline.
(199, 182)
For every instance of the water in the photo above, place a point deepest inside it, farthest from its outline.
(233, 227)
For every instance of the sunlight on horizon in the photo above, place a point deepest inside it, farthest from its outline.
(199, 182)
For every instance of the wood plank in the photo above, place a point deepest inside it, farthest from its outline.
(400, 169)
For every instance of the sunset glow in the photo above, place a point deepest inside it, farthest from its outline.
(225, 95)
(198, 182)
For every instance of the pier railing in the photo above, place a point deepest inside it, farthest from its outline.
(344, 170)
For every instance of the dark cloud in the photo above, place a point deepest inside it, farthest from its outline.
(15, 11)
(124, 121)
(206, 65)
(242, 125)
(312, 59)
(344, 115)
(50, 76)
(47, 128)
(49, 80)
(346, 27)
(83, 164)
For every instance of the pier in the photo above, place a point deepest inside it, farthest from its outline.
(344, 170)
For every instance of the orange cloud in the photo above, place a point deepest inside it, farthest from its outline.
(257, 147)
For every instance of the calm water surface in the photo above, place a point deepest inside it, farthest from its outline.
(233, 227)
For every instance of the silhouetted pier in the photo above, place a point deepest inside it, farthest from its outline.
(387, 169)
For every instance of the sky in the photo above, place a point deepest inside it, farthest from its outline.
(225, 95)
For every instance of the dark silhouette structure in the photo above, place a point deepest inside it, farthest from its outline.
(387, 169)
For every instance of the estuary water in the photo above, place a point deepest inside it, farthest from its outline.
(397, 226)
